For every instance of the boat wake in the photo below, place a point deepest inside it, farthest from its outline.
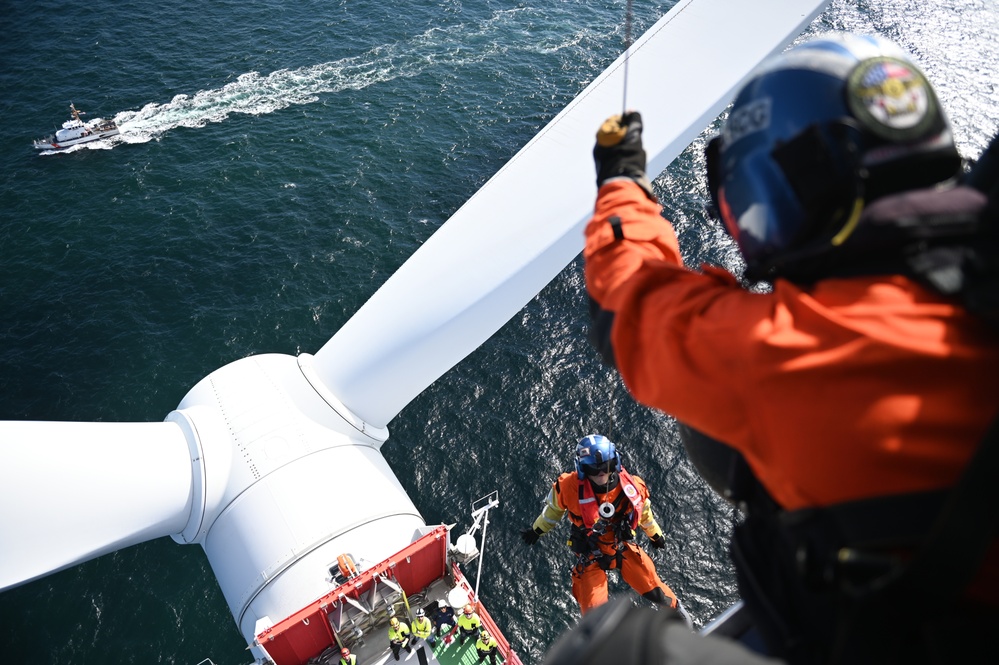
(253, 93)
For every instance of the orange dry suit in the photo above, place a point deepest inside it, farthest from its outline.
(844, 390)
(605, 544)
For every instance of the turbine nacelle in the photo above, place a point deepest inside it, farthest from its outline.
(273, 477)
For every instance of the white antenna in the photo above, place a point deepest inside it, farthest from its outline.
(480, 517)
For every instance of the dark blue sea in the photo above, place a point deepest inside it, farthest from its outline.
(278, 161)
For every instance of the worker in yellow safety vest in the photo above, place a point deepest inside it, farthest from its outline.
(487, 646)
(422, 628)
(469, 624)
(398, 637)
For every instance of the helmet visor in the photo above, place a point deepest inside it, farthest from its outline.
(597, 469)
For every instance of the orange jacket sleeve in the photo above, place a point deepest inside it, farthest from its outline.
(635, 272)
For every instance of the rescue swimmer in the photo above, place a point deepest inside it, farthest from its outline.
(605, 505)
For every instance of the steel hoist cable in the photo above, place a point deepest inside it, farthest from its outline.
(627, 56)
(613, 129)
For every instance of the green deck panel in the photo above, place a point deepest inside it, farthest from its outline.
(459, 655)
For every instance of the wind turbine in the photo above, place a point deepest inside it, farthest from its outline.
(243, 465)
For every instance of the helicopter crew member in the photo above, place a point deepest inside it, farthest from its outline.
(605, 505)
(469, 624)
(398, 634)
(839, 406)
(347, 658)
(487, 645)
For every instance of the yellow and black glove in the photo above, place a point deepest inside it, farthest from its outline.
(618, 152)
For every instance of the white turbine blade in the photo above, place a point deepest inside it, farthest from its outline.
(525, 225)
(72, 491)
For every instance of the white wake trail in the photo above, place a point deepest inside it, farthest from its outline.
(255, 94)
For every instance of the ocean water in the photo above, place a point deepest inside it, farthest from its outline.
(278, 162)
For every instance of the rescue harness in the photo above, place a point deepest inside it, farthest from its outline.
(618, 518)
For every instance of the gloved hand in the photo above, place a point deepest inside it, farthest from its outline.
(619, 153)
(659, 541)
(530, 536)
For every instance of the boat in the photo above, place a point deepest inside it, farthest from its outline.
(355, 613)
(76, 132)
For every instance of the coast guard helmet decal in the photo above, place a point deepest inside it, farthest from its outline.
(891, 98)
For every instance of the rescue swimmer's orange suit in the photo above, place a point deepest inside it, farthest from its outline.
(852, 388)
(589, 581)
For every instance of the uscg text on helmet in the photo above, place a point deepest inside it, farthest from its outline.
(752, 117)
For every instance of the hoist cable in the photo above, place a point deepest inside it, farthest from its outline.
(627, 56)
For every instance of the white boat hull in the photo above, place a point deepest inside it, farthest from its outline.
(50, 143)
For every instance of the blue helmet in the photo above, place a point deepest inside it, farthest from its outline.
(595, 453)
(817, 132)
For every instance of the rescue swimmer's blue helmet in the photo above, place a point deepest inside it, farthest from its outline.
(817, 132)
(596, 453)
